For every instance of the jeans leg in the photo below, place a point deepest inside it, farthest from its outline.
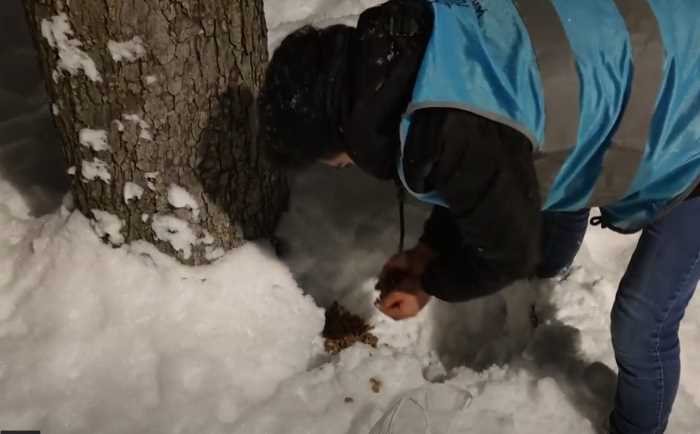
(562, 235)
(651, 301)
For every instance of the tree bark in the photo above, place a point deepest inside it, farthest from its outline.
(177, 112)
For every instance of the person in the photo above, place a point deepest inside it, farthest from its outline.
(513, 120)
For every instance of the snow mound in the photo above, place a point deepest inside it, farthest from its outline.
(526, 404)
(13, 205)
(96, 339)
(108, 226)
(354, 391)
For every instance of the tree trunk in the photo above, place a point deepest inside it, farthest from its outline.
(155, 103)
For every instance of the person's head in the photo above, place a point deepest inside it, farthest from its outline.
(302, 101)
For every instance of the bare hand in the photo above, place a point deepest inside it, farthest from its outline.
(409, 263)
(402, 294)
(404, 301)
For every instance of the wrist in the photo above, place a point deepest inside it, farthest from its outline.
(422, 254)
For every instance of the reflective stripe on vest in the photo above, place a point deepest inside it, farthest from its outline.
(557, 65)
(561, 88)
(626, 150)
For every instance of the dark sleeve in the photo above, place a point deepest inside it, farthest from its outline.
(490, 236)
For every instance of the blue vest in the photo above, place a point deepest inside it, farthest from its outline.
(619, 128)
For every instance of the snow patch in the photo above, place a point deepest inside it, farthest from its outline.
(119, 125)
(55, 109)
(146, 135)
(127, 51)
(104, 340)
(71, 171)
(207, 239)
(178, 197)
(211, 254)
(175, 231)
(132, 191)
(13, 205)
(512, 401)
(151, 79)
(96, 169)
(94, 139)
(108, 225)
(145, 132)
(135, 118)
(72, 59)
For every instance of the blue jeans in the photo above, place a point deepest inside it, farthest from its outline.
(651, 300)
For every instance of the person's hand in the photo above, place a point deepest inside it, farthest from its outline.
(402, 294)
(404, 300)
(411, 262)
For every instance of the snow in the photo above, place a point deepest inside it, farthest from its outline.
(101, 339)
(211, 254)
(146, 135)
(178, 197)
(431, 408)
(96, 169)
(207, 239)
(151, 79)
(175, 231)
(108, 226)
(96, 339)
(286, 16)
(127, 51)
(119, 125)
(94, 139)
(132, 191)
(527, 404)
(57, 31)
(12, 207)
(145, 132)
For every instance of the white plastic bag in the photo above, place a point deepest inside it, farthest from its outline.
(428, 410)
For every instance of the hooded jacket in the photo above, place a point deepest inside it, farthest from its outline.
(490, 235)
(488, 231)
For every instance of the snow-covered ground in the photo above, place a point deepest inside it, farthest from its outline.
(101, 340)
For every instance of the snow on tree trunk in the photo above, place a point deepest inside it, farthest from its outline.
(155, 103)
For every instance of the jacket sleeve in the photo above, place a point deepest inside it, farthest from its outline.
(490, 235)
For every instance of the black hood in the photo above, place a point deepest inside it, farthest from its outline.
(305, 96)
(344, 89)
(387, 52)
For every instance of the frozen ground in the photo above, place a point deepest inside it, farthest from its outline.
(95, 339)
